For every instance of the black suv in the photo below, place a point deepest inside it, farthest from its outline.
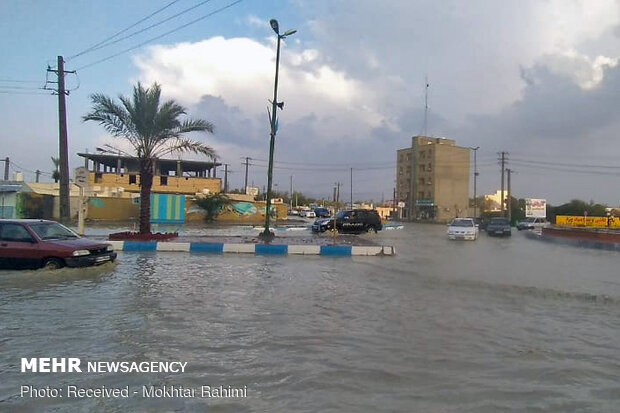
(353, 221)
(499, 226)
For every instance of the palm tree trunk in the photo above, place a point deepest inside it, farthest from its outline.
(146, 182)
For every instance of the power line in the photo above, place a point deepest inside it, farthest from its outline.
(391, 162)
(567, 164)
(559, 169)
(20, 81)
(162, 35)
(20, 87)
(6, 92)
(104, 41)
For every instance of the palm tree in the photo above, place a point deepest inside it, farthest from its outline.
(153, 129)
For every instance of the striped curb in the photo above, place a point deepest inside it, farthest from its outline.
(258, 249)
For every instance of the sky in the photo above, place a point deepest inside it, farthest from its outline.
(538, 79)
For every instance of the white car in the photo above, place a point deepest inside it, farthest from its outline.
(308, 214)
(463, 228)
(532, 223)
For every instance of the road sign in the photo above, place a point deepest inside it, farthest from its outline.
(80, 177)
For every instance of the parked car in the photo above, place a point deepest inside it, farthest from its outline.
(532, 223)
(463, 228)
(499, 226)
(353, 221)
(37, 243)
(307, 213)
(322, 212)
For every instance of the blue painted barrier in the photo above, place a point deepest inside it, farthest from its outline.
(139, 246)
(338, 250)
(260, 249)
(217, 248)
(267, 249)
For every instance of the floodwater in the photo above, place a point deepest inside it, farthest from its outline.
(493, 325)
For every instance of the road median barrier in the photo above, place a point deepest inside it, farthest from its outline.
(258, 249)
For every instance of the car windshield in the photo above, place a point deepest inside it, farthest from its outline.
(462, 223)
(341, 214)
(499, 221)
(529, 220)
(52, 230)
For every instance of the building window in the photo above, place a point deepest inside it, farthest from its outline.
(429, 167)
(163, 180)
(422, 155)
(421, 181)
(429, 195)
(421, 195)
(98, 177)
(422, 169)
(132, 179)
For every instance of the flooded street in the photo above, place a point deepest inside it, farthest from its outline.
(510, 324)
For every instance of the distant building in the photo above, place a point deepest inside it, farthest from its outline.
(111, 175)
(493, 203)
(432, 179)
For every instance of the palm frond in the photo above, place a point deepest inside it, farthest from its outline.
(152, 128)
(185, 145)
(113, 117)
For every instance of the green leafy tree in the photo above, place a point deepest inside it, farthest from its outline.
(213, 204)
(577, 207)
(56, 172)
(153, 129)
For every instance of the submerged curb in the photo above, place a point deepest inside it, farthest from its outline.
(257, 249)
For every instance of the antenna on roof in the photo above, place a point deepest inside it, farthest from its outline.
(426, 104)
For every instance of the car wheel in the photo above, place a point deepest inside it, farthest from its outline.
(53, 264)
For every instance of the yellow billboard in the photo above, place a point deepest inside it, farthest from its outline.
(583, 221)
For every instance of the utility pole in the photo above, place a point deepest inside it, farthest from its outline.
(245, 187)
(336, 196)
(475, 178)
(225, 178)
(291, 194)
(394, 203)
(502, 199)
(37, 173)
(351, 188)
(336, 200)
(6, 168)
(509, 206)
(65, 213)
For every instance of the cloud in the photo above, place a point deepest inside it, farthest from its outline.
(240, 73)
(530, 77)
(582, 70)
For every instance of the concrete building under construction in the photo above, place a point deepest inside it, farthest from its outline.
(432, 179)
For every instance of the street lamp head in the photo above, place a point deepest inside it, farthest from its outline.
(275, 26)
(289, 32)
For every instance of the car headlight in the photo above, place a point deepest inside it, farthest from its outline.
(79, 253)
(109, 248)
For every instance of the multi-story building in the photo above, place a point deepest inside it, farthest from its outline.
(432, 179)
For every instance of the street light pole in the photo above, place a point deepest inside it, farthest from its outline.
(475, 177)
(266, 234)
